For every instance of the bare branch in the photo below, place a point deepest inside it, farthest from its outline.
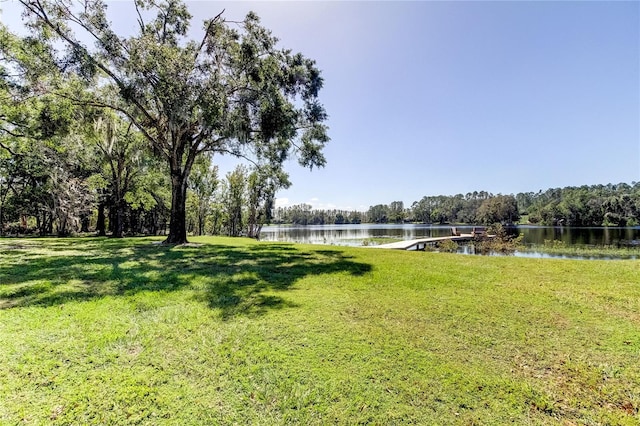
(206, 35)
(235, 154)
(210, 146)
(164, 29)
(140, 20)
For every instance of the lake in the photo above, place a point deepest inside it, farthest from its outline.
(356, 235)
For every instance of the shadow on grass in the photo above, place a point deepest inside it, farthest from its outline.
(242, 279)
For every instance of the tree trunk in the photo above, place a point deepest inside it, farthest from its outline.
(214, 229)
(84, 224)
(49, 224)
(201, 219)
(178, 222)
(152, 222)
(118, 219)
(135, 227)
(100, 225)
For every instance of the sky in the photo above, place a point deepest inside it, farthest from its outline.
(440, 98)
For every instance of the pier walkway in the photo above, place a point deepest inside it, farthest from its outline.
(421, 243)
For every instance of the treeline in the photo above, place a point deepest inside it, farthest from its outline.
(110, 186)
(95, 173)
(596, 205)
(476, 207)
(305, 214)
(118, 190)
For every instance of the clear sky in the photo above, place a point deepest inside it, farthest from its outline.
(430, 98)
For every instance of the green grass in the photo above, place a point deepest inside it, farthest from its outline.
(233, 331)
(374, 241)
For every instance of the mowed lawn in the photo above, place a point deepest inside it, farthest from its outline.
(233, 331)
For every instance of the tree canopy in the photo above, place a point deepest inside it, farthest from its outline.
(234, 91)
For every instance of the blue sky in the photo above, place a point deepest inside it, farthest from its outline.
(429, 98)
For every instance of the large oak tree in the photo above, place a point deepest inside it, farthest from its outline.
(233, 91)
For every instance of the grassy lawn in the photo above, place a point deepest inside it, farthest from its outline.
(232, 331)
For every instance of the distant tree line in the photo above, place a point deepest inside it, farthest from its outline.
(473, 208)
(305, 214)
(596, 205)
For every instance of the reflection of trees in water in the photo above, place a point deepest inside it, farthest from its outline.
(355, 234)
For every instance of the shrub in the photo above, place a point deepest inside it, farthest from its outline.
(448, 246)
(503, 242)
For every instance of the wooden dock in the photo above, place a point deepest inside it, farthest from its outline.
(421, 243)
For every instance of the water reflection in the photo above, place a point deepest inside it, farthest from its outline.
(599, 236)
(355, 235)
(352, 234)
(366, 234)
(469, 250)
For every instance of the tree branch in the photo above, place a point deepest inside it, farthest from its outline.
(235, 154)
(38, 10)
(14, 134)
(206, 35)
(12, 152)
(139, 126)
(140, 20)
(207, 147)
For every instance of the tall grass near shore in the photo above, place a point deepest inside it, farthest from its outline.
(232, 331)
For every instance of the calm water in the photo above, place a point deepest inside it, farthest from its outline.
(355, 235)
